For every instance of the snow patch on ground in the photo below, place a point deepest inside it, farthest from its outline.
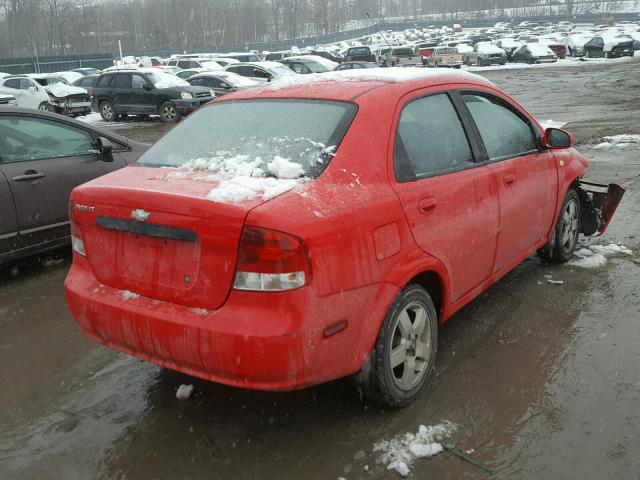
(400, 452)
(184, 392)
(596, 256)
(552, 124)
(619, 141)
(127, 295)
(92, 118)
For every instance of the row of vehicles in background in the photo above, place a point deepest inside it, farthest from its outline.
(178, 85)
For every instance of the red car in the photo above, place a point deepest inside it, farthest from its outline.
(290, 235)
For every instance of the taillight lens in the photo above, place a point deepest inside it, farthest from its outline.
(76, 239)
(269, 260)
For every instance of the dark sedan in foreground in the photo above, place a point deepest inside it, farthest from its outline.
(43, 156)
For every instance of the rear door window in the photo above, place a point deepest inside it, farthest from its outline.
(13, 83)
(505, 134)
(430, 139)
(123, 80)
(104, 81)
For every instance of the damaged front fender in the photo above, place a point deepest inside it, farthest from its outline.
(599, 203)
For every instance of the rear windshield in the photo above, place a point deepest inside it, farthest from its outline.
(255, 134)
(359, 51)
(403, 51)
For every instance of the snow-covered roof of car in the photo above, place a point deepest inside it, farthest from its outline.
(356, 82)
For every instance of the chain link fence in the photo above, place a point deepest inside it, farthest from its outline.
(100, 61)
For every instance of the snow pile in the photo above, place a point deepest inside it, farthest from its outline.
(388, 75)
(283, 168)
(184, 392)
(63, 90)
(595, 256)
(400, 452)
(127, 295)
(240, 189)
(619, 141)
(242, 177)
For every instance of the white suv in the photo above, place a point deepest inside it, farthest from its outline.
(28, 94)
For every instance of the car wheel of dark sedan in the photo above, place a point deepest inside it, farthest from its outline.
(107, 111)
(168, 113)
(406, 348)
(565, 238)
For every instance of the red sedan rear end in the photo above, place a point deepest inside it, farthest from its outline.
(293, 234)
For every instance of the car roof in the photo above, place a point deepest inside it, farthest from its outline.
(347, 85)
(265, 64)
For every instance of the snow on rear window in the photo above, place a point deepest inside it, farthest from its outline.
(254, 148)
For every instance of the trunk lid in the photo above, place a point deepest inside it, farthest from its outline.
(154, 232)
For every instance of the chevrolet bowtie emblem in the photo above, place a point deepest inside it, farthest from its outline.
(140, 215)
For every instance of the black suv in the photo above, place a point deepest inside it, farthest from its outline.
(147, 91)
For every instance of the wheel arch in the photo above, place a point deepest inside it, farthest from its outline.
(428, 272)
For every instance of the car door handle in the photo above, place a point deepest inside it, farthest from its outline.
(426, 205)
(509, 179)
(28, 175)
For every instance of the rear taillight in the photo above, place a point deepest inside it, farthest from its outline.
(269, 260)
(76, 239)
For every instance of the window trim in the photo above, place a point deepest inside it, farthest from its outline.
(469, 135)
(513, 109)
(94, 134)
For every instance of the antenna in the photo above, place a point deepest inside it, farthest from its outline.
(379, 31)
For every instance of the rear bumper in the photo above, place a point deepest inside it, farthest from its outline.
(262, 341)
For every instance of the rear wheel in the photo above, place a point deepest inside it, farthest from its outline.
(44, 107)
(565, 238)
(107, 111)
(168, 113)
(406, 348)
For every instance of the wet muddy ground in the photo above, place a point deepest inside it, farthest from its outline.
(543, 381)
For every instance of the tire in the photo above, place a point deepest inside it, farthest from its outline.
(44, 107)
(467, 62)
(107, 111)
(410, 329)
(457, 67)
(168, 113)
(565, 237)
(436, 64)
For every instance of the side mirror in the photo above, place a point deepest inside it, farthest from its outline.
(556, 138)
(148, 87)
(105, 147)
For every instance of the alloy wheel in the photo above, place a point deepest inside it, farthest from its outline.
(410, 351)
(569, 229)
